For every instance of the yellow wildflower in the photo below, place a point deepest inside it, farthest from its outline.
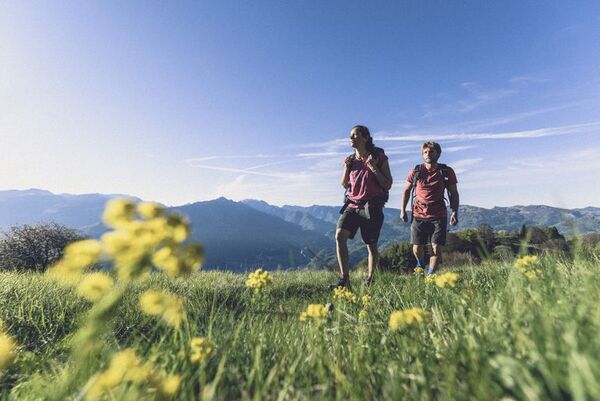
(8, 350)
(180, 228)
(363, 313)
(78, 256)
(83, 253)
(528, 265)
(344, 294)
(366, 299)
(201, 349)
(163, 304)
(259, 279)
(150, 210)
(169, 386)
(419, 270)
(125, 367)
(446, 279)
(315, 312)
(406, 317)
(95, 286)
(168, 259)
(193, 257)
(118, 212)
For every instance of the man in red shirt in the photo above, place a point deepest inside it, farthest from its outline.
(430, 217)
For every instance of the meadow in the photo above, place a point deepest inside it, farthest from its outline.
(156, 328)
(496, 334)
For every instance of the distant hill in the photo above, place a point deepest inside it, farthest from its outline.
(237, 236)
(36, 205)
(252, 233)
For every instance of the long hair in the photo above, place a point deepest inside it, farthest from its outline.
(364, 131)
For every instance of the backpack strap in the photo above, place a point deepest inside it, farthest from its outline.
(444, 168)
(445, 171)
(415, 178)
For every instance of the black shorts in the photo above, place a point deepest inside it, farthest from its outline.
(423, 232)
(352, 219)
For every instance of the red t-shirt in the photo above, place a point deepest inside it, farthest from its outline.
(429, 194)
(363, 183)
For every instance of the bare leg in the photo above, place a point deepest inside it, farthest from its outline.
(436, 256)
(341, 247)
(419, 252)
(373, 260)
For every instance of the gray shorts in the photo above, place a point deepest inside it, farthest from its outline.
(423, 232)
(370, 226)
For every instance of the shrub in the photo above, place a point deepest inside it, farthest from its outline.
(34, 247)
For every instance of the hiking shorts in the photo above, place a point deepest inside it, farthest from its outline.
(423, 232)
(352, 219)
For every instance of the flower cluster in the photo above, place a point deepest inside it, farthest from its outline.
(316, 312)
(419, 270)
(366, 300)
(135, 245)
(344, 294)
(529, 265)
(407, 317)
(201, 349)
(163, 304)
(126, 369)
(8, 349)
(94, 286)
(259, 279)
(443, 280)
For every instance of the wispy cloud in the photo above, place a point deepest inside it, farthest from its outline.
(535, 133)
(453, 149)
(248, 171)
(460, 166)
(195, 160)
(511, 118)
(321, 154)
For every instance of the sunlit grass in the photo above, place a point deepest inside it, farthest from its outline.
(495, 333)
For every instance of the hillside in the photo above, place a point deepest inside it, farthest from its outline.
(250, 233)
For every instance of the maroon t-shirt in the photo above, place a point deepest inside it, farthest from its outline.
(429, 194)
(363, 183)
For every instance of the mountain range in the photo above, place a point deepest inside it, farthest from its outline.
(241, 236)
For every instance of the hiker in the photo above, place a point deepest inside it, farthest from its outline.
(427, 183)
(367, 179)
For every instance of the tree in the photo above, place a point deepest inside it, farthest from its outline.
(34, 247)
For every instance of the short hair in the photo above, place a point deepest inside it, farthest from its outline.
(430, 144)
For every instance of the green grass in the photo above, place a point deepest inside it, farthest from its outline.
(496, 334)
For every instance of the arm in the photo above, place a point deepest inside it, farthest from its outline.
(346, 174)
(454, 203)
(383, 175)
(405, 198)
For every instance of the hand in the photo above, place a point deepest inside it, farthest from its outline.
(403, 216)
(453, 219)
(348, 162)
(372, 163)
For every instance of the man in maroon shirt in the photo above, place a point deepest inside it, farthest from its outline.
(430, 217)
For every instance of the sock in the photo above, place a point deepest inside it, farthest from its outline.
(430, 270)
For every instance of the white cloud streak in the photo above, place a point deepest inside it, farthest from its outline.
(536, 133)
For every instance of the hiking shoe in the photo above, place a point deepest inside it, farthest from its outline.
(340, 283)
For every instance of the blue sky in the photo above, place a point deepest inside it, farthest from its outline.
(185, 101)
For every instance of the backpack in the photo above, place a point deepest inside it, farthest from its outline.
(379, 201)
(416, 171)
